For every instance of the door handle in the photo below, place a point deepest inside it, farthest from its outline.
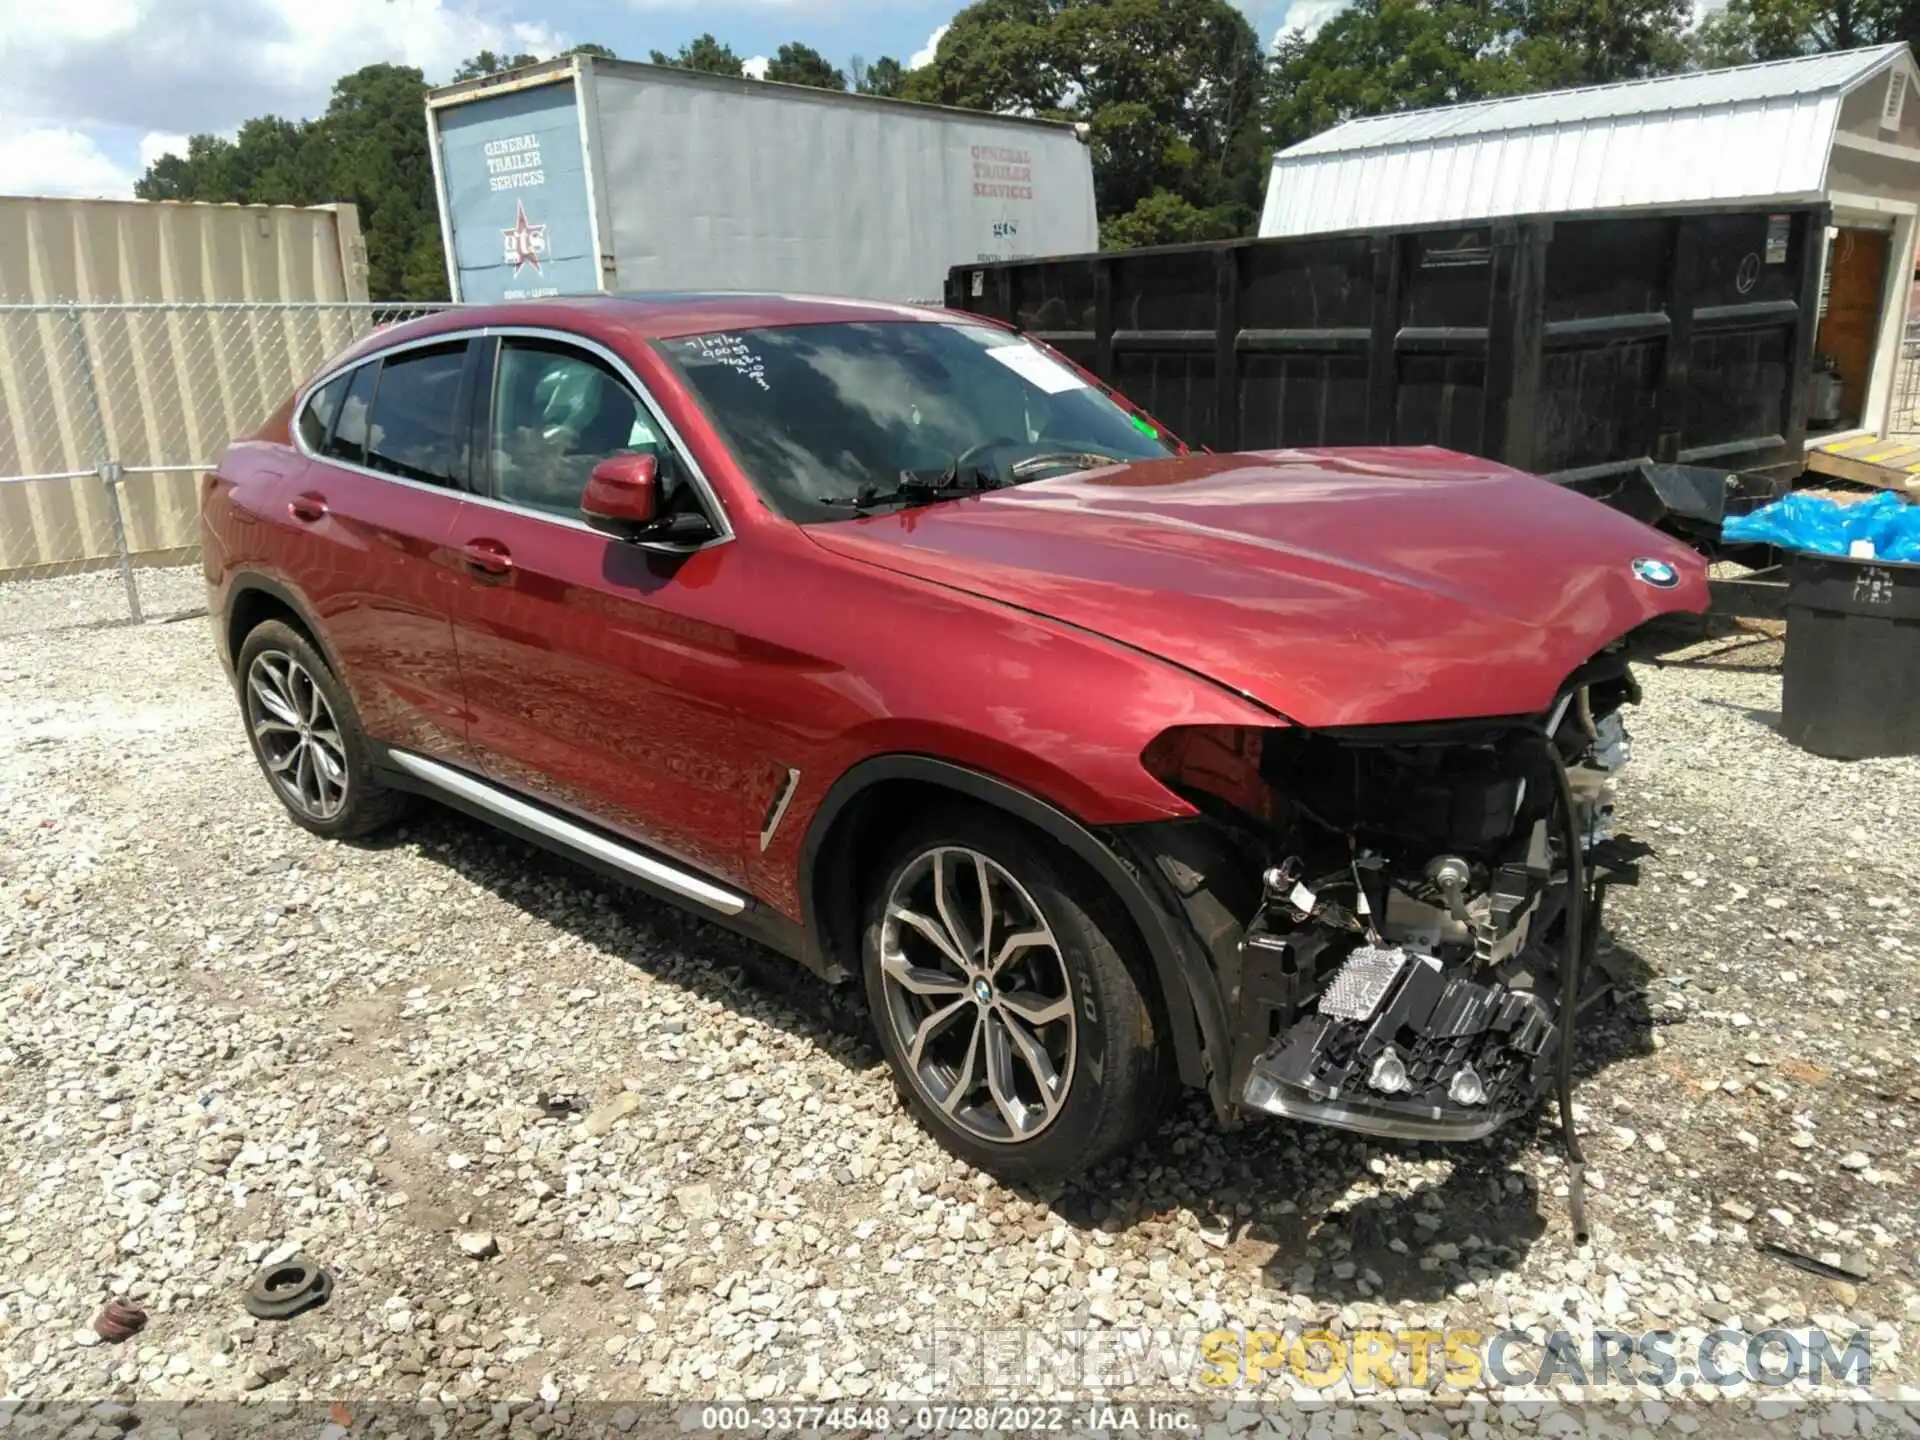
(488, 559)
(307, 506)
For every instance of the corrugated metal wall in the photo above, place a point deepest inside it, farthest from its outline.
(163, 250)
(1754, 133)
(120, 338)
(158, 388)
(1775, 149)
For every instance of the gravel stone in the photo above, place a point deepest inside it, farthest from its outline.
(610, 1114)
(221, 1037)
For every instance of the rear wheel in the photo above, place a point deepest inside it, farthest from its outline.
(307, 737)
(1009, 1001)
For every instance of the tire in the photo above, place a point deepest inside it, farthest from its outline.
(288, 693)
(1101, 1046)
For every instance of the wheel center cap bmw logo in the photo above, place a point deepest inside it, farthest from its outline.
(1657, 573)
(982, 991)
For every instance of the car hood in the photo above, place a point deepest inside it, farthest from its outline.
(1335, 587)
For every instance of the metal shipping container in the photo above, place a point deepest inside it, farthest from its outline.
(146, 331)
(1577, 347)
(583, 174)
(151, 250)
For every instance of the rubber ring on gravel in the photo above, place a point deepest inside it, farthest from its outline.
(279, 1292)
(119, 1319)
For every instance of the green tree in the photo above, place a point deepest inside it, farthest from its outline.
(1560, 43)
(1743, 31)
(1164, 218)
(1378, 56)
(270, 161)
(208, 171)
(1383, 55)
(885, 76)
(369, 149)
(281, 162)
(598, 52)
(798, 64)
(487, 63)
(704, 54)
(997, 55)
(376, 129)
(1170, 91)
(1740, 32)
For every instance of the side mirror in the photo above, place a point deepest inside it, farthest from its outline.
(623, 495)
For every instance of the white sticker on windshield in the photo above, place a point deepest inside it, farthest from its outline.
(1037, 369)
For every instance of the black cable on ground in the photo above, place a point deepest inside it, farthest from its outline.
(1572, 976)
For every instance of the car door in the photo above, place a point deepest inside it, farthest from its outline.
(373, 511)
(595, 678)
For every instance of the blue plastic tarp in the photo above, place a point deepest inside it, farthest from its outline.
(1825, 527)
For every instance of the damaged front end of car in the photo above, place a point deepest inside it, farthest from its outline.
(1399, 917)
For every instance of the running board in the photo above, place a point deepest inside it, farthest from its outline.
(625, 858)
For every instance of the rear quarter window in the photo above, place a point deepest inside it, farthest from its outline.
(349, 439)
(322, 409)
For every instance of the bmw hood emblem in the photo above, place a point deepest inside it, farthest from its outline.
(1657, 573)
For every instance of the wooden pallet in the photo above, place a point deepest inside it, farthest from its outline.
(1890, 464)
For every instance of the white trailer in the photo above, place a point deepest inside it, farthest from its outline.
(582, 175)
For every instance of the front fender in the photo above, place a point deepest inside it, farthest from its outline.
(1194, 1006)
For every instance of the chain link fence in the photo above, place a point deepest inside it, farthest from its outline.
(110, 413)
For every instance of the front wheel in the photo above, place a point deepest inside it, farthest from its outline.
(1009, 1000)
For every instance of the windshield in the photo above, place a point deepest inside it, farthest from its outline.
(832, 421)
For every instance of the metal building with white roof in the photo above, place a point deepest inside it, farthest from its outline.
(1840, 128)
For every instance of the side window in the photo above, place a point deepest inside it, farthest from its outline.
(558, 412)
(416, 428)
(349, 442)
(317, 419)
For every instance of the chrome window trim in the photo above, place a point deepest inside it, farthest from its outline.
(717, 512)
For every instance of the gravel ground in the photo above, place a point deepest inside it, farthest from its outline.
(555, 1141)
(96, 600)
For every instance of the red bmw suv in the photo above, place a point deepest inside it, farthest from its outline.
(890, 639)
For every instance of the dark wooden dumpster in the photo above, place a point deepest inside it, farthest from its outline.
(1610, 352)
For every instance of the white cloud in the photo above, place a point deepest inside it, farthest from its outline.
(84, 19)
(755, 68)
(194, 65)
(924, 56)
(59, 161)
(156, 143)
(1307, 15)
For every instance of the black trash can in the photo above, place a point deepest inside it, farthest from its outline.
(1852, 683)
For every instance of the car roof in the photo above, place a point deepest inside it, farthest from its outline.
(662, 316)
(692, 312)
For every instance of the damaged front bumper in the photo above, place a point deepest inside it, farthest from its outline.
(1387, 911)
(1426, 1056)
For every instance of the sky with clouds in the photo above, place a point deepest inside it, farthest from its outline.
(92, 90)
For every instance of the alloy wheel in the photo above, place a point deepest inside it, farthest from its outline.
(298, 737)
(978, 995)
